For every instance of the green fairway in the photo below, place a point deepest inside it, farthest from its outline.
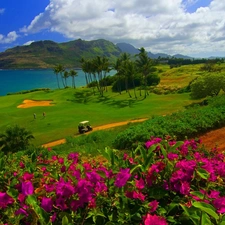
(70, 106)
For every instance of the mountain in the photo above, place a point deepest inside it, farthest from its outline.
(47, 54)
(179, 56)
(124, 47)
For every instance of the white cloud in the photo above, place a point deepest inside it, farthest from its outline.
(28, 42)
(2, 10)
(159, 26)
(9, 38)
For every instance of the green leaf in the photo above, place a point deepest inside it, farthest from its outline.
(203, 173)
(191, 213)
(174, 147)
(2, 164)
(65, 220)
(163, 150)
(138, 166)
(13, 193)
(157, 193)
(209, 209)
(198, 194)
(205, 219)
(31, 200)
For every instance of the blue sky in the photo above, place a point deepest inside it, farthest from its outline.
(191, 27)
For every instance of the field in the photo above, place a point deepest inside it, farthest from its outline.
(70, 106)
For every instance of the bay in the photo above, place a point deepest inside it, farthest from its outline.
(12, 81)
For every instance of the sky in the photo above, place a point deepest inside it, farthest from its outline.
(190, 27)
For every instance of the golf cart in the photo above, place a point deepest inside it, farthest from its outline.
(84, 127)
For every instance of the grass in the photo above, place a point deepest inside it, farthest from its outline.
(70, 106)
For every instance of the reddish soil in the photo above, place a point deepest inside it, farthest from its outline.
(215, 138)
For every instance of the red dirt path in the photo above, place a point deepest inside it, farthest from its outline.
(215, 138)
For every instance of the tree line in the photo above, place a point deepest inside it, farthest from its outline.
(131, 73)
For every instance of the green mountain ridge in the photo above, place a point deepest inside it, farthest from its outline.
(47, 54)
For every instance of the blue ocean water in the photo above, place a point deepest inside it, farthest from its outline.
(20, 80)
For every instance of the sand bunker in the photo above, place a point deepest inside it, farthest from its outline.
(32, 103)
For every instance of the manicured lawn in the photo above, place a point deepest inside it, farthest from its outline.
(71, 106)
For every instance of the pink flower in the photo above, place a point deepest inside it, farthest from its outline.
(47, 204)
(61, 160)
(5, 200)
(140, 184)
(122, 177)
(219, 204)
(27, 188)
(154, 220)
(28, 176)
(21, 164)
(153, 206)
(172, 156)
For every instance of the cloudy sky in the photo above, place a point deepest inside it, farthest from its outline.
(190, 27)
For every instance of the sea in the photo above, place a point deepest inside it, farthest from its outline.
(12, 81)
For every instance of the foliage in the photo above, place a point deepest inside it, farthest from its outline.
(29, 91)
(14, 139)
(207, 85)
(163, 182)
(188, 123)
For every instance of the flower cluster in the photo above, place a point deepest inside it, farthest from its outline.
(163, 182)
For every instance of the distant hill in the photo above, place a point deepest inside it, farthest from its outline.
(124, 47)
(46, 54)
(128, 48)
(179, 56)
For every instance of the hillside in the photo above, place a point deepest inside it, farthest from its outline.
(46, 54)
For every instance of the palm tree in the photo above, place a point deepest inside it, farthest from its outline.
(85, 68)
(105, 70)
(73, 74)
(56, 72)
(65, 76)
(59, 69)
(116, 67)
(144, 64)
(14, 139)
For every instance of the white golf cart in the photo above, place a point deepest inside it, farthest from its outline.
(84, 127)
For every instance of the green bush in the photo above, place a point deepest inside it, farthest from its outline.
(189, 123)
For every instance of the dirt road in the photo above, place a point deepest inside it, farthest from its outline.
(103, 127)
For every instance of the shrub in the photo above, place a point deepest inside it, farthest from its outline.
(188, 123)
(162, 182)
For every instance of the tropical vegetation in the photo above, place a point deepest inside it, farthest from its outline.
(157, 172)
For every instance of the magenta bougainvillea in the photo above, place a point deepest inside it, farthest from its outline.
(162, 182)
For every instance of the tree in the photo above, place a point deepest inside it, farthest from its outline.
(144, 64)
(56, 72)
(59, 69)
(207, 85)
(14, 139)
(73, 74)
(65, 76)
